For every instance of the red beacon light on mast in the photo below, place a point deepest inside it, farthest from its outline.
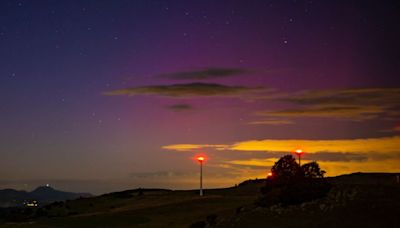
(201, 159)
(299, 153)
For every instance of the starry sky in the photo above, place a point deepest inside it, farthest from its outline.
(101, 96)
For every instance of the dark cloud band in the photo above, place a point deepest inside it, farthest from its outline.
(203, 74)
(183, 90)
(180, 107)
(356, 104)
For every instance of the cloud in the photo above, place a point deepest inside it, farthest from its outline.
(252, 158)
(216, 176)
(162, 174)
(180, 107)
(336, 156)
(272, 122)
(334, 111)
(357, 104)
(253, 163)
(191, 147)
(339, 168)
(363, 145)
(318, 156)
(249, 166)
(184, 90)
(332, 167)
(392, 130)
(203, 74)
(366, 96)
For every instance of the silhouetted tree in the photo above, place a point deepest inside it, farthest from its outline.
(292, 184)
(285, 168)
(312, 170)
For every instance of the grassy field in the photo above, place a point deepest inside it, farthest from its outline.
(152, 209)
(358, 200)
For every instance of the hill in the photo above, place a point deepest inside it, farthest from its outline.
(13, 198)
(356, 200)
(43, 194)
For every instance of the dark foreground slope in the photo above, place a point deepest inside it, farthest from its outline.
(355, 201)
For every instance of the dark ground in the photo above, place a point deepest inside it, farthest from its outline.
(356, 200)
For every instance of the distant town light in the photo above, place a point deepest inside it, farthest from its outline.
(270, 174)
(33, 203)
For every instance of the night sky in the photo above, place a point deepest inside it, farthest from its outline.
(102, 96)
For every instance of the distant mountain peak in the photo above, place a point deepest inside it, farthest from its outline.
(44, 189)
(43, 194)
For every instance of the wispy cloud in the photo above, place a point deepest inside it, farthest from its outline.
(203, 74)
(272, 122)
(217, 175)
(184, 90)
(381, 96)
(162, 174)
(253, 163)
(191, 147)
(357, 113)
(180, 107)
(356, 104)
